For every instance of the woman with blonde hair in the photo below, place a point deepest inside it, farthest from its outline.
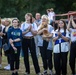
(5, 41)
(45, 43)
(1, 34)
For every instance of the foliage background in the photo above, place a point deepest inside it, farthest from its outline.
(18, 8)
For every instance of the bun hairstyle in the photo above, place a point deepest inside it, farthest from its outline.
(29, 14)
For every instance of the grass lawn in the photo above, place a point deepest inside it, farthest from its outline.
(22, 68)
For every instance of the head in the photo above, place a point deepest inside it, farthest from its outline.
(28, 17)
(15, 22)
(3, 21)
(48, 10)
(62, 25)
(37, 16)
(55, 25)
(7, 22)
(33, 19)
(51, 9)
(45, 20)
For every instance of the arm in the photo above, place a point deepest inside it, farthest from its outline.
(34, 32)
(68, 27)
(14, 47)
(1, 33)
(55, 38)
(73, 23)
(24, 32)
(40, 31)
(65, 38)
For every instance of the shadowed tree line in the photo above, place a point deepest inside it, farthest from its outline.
(18, 8)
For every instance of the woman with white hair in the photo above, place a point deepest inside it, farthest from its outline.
(45, 43)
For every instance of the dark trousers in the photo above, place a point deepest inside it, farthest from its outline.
(14, 58)
(29, 43)
(60, 63)
(46, 56)
(8, 59)
(73, 57)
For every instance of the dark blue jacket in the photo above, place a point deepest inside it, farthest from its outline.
(14, 34)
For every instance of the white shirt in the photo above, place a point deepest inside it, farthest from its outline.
(73, 34)
(25, 25)
(65, 46)
(2, 27)
(51, 15)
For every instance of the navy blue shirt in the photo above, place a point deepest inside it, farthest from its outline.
(14, 34)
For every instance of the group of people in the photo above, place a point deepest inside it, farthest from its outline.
(38, 35)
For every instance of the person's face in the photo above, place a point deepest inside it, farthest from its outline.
(37, 16)
(27, 18)
(3, 22)
(61, 24)
(7, 22)
(44, 21)
(15, 23)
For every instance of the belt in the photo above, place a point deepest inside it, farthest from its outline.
(28, 37)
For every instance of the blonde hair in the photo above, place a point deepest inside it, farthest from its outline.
(45, 17)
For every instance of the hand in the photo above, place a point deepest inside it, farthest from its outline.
(30, 27)
(11, 41)
(15, 48)
(71, 18)
(59, 34)
(1, 33)
(45, 29)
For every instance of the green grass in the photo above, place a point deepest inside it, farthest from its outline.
(22, 68)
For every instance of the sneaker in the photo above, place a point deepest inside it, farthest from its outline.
(7, 67)
(39, 74)
(26, 73)
(45, 72)
(50, 73)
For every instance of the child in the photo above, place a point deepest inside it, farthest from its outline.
(61, 47)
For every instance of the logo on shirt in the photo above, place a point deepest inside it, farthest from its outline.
(15, 33)
(74, 33)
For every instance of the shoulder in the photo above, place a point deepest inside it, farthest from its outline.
(23, 23)
(50, 26)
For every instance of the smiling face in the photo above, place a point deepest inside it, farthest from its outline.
(61, 24)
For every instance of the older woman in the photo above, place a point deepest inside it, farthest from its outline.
(45, 43)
